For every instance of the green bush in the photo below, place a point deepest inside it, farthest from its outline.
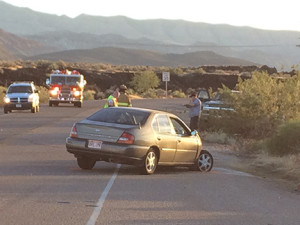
(286, 140)
(142, 82)
(263, 104)
(178, 94)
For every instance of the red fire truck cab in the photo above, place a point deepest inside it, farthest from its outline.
(66, 87)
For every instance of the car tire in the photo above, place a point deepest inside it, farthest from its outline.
(150, 162)
(50, 104)
(204, 162)
(78, 104)
(86, 163)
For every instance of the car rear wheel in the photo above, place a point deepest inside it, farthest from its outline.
(86, 163)
(150, 162)
(205, 162)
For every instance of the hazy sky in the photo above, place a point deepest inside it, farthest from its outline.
(264, 14)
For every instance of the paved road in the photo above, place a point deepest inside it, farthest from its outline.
(40, 183)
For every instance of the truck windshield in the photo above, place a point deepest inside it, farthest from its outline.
(72, 80)
(58, 80)
(65, 80)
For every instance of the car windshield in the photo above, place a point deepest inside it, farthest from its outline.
(120, 116)
(19, 89)
(203, 94)
(218, 97)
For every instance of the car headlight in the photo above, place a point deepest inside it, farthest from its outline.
(76, 93)
(54, 91)
(6, 100)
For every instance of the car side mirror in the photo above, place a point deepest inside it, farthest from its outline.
(194, 133)
(47, 81)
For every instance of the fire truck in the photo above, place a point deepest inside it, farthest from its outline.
(66, 87)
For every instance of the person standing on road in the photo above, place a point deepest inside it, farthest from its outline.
(112, 99)
(195, 111)
(124, 100)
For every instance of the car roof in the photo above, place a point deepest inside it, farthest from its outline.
(140, 109)
(21, 84)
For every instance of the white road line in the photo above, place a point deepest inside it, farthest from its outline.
(233, 172)
(102, 198)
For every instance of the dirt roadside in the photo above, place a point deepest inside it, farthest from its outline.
(269, 168)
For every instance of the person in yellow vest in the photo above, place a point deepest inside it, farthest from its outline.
(112, 100)
(124, 99)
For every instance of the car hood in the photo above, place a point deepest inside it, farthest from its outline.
(213, 102)
(216, 104)
(18, 95)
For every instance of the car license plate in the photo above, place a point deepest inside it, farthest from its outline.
(94, 144)
(18, 105)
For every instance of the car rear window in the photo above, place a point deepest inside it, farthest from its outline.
(127, 116)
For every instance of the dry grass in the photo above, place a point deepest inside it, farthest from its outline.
(286, 167)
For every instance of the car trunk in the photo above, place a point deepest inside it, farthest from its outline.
(109, 132)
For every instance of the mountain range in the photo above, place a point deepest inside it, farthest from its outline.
(29, 35)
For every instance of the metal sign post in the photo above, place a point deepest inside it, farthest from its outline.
(166, 78)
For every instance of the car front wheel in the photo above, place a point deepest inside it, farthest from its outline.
(86, 163)
(205, 162)
(150, 162)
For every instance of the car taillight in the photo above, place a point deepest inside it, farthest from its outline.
(126, 138)
(73, 132)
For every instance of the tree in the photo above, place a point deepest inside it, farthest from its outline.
(142, 82)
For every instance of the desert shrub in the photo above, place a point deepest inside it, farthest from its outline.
(89, 95)
(145, 80)
(130, 91)
(286, 140)
(176, 71)
(160, 93)
(178, 94)
(43, 93)
(200, 70)
(99, 95)
(218, 137)
(263, 104)
(2, 94)
(151, 93)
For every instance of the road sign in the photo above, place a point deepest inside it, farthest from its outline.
(166, 76)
